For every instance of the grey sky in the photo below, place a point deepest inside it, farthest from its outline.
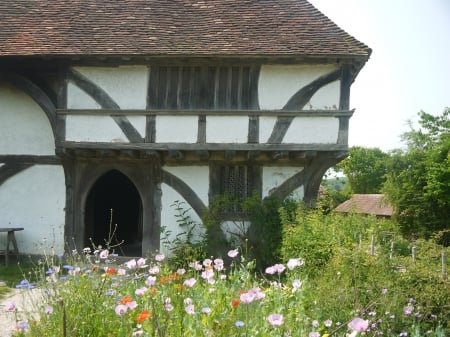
(409, 69)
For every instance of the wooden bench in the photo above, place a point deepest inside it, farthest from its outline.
(11, 239)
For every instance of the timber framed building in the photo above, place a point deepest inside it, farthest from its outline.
(133, 105)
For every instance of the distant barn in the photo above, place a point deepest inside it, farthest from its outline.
(370, 204)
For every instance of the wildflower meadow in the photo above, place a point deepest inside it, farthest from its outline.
(332, 288)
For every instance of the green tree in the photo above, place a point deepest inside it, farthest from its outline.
(365, 169)
(418, 179)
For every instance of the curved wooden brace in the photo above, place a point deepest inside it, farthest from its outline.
(9, 170)
(36, 93)
(282, 191)
(186, 192)
(106, 102)
(297, 102)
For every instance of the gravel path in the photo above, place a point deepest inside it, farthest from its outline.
(22, 299)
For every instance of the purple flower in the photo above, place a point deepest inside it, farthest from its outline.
(358, 324)
(48, 310)
(131, 264)
(104, 254)
(408, 309)
(277, 268)
(403, 334)
(314, 334)
(384, 291)
(138, 333)
(275, 319)
(10, 306)
(315, 323)
(328, 323)
(190, 282)
(151, 281)
(154, 270)
(121, 309)
(141, 263)
(233, 253)
(190, 310)
(239, 324)
(160, 257)
(140, 291)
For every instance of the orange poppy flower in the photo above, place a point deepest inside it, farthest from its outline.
(126, 299)
(143, 316)
(235, 302)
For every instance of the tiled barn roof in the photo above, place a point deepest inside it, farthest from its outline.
(373, 204)
(171, 27)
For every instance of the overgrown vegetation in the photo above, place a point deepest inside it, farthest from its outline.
(363, 265)
(335, 274)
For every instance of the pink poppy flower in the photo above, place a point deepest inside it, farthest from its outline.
(104, 254)
(121, 309)
(160, 257)
(190, 282)
(10, 306)
(358, 324)
(233, 253)
(131, 264)
(275, 319)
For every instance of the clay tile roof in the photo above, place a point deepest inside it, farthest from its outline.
(171, 27)
(367, 204)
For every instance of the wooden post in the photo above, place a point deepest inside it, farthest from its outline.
(444, 265)
(414, 253)
(372, 245)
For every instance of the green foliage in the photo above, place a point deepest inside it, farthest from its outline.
(255, 221)
(186, 246)
(365, 169)
(363, 265)
(418, 179)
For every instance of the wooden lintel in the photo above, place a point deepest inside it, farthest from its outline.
(280, 154)
(174, 154)
(230, 154)
(252, 155)
(202, 154)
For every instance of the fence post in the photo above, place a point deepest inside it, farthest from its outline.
(372, 245)
(444, 265)
(414, 253)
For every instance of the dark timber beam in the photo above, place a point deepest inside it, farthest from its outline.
(106, 102)
(297, 102)
(185, 191)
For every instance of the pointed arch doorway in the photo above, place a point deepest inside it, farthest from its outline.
(113, 212)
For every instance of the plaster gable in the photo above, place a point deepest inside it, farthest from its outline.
(126, 85)
(24, 127)
(278, 83)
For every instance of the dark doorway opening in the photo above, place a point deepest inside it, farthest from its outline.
(114, 211)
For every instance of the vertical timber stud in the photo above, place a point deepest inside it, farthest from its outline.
(344, 103)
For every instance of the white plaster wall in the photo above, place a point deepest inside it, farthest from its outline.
(78, 99)
(93, 129)
(126, 85)
(24, 127)
(326, 97)
(266, 125)
(35, 199)
(277, 84)
(310, 130)
(197, 177)
(139, 123)
(227, 129)
(176, 129)
(274, 176)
